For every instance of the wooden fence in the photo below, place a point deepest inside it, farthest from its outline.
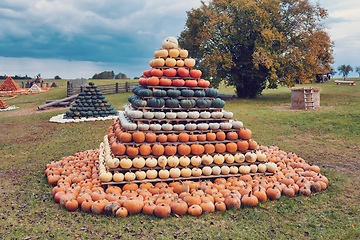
(105, 89)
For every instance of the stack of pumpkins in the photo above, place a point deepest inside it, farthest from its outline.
(9, 85)
(90, 103)
(3, 105)
(175, 128)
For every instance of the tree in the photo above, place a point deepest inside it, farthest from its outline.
(57, 77)
(258, 44)
(357, 69)
(104, 75)
(120, 76)
(345, 70)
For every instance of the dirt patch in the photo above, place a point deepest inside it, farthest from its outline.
(34, 111)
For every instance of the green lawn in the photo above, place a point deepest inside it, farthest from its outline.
(328, 137)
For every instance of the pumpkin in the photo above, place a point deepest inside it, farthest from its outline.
(184, 149)
(125, 137)
(273, 193)
(214, 126)
(159, 93)
(162, 210)
(172, 103)
(164, 174)
(162, 138)
(143, 127)
(205, 114)
(184, 160)
(126, 163)
(183, 137)
(199, 93)
(188, 103)
(191, 83)
(207, 159)
(194, 115)
(183, 72)
(225, 125)
(150, 137)
(170, 115)
(218, 103)
(217, 115)
(197, 149)
(162, 161)
(245, 134)
(242, 145)
(179, 127)
(232, 201)
(158, 149)
(191, 126)
(179, 207)
(181, 115)
(148, 208)
(170, 150)
(151, 174)
(209, 148)
(219, 159)
(187, 93)
(170, 72)
(167, 127)
(138, 137)
(216, 170)
(173, 93)
(175, 172)
(156, 102)
(195, 161)
(133, 205)
(207, 171)
(118, 148)
(203, 83)
(220, 147)
(138, 162)
(132, 151)
(155, 127)
(151, 162)
(185, 172)
(170, 62)
(229, 158)
(130, 176)
(178, 82)
(149, 115)
(212, 92)
(152, 81)
(232, 135)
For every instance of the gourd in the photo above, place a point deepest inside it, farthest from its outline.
(143, 127)
(159, 115)
(175, 172)
(217, 115)
(151, 174)
(216, 170)
(179, 127)
(135, 114)
(203, 126)
(144, 93)
(187, 93)
(212, 92)
(140, 175)
(207, 171)
(188, 103)
(199, 93)
(148, 115)
(196, 172)
(203, 103)
(151, 162)
(190, 126)
(174, 93)
(182, 115)
(172, 103)
(205, 115)
(214, 126)
(173, 161)
(225, 126)
(170, 115)
(194, 115)
(218, 103)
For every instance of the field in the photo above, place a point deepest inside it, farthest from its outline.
(328, 137)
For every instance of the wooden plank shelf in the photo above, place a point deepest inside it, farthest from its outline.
(175, 87)
(178, 155)
(187, 131)
(133, 169)
(178, 142)
(170, 120)
(177, 109)
(199, 178)
(180, 97)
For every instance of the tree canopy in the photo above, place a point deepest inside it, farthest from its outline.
(258, 44)
(345, 70)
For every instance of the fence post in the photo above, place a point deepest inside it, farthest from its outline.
(67, 88)
(81, 88)
(127, 86)
(117, 87)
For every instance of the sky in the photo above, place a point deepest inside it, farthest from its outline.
(74, 39)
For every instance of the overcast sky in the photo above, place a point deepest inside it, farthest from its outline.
(79, 38)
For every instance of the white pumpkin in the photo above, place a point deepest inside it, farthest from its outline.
(138, 162)
(162, 53)
(170, 43)
(239, 157)
(113, 162)
(237, 124)
(106, 176)
(170, 115)
(185, 172)
(219, 159)
(250, 157)
(148, 115)
(261, 168)
(196, 172)
(159, 115)
(234, 170)
(118, 177)
(170, 62)
(207, 159)
(130, 176)
(183, 53)
(155, 127)
(271, 167)
(229, 158)
(175, 172)
(203, 126)
(253, 168)
(195, 160)
(180, 63)
(225, 170)
(216, 170)
(143, 127)
(174, 53)
(261, 157)
(207, 171)
(125, 163)
(135, 114)
(225, 125)
(194, 115)
(244, 169)
(151, 174)
(179, 127)
(140, 175)
(164, 174)
(228, 114)
(162, 161)
(217, 115)
(184, 161)
(189, 62)
(130, 126)
(167, 127)
(151, 162)
(173, 161)
(190, 126)
(182, 115)
(214, 126)
(205, 115)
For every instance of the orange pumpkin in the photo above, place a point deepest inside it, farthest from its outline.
(138, 137)
(132, 151)
(197, 149)
(220, 136)
(195, 210)
(245, 134)
(152, 81)
(118, 148)
(210, 136)
(242, 145)
(184, 149)
(158, 149)
(183, 137)
(193, 138)
(162, 138)
(220, 147)
(232, 135)
(231, 147)
(201, 137)
(145, 149)
(162, 210)
(150, 137)
(165, 82)
(172, 137)
(179, 207)
(125, 137)
(209, 148)
(170, 150)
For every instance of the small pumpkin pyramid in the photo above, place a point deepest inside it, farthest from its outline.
(34, 88)
(175, 128)
(3, 105)
(90, 103)
(9, 85)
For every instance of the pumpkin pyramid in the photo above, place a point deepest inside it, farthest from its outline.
(175, 128)
(3, 105)
(9, 85)
(34, 88)
(90, 103)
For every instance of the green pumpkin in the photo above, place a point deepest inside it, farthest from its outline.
(212, 92)
(137, 102)
(156, 102)
(188, 103)
(159, 93)
(174, 93)
(203, 103)
(144, 93)
(187, 93)
(199, 93)
(218, 103)
(172, 103)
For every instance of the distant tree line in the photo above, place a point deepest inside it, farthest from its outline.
(109, 75)
(15, 77)
(344, 70)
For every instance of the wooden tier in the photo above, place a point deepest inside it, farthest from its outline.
(199, 178)
(179, 143)
(166, 109)
(177, 120)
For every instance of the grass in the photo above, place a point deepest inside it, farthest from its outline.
(328, 137)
